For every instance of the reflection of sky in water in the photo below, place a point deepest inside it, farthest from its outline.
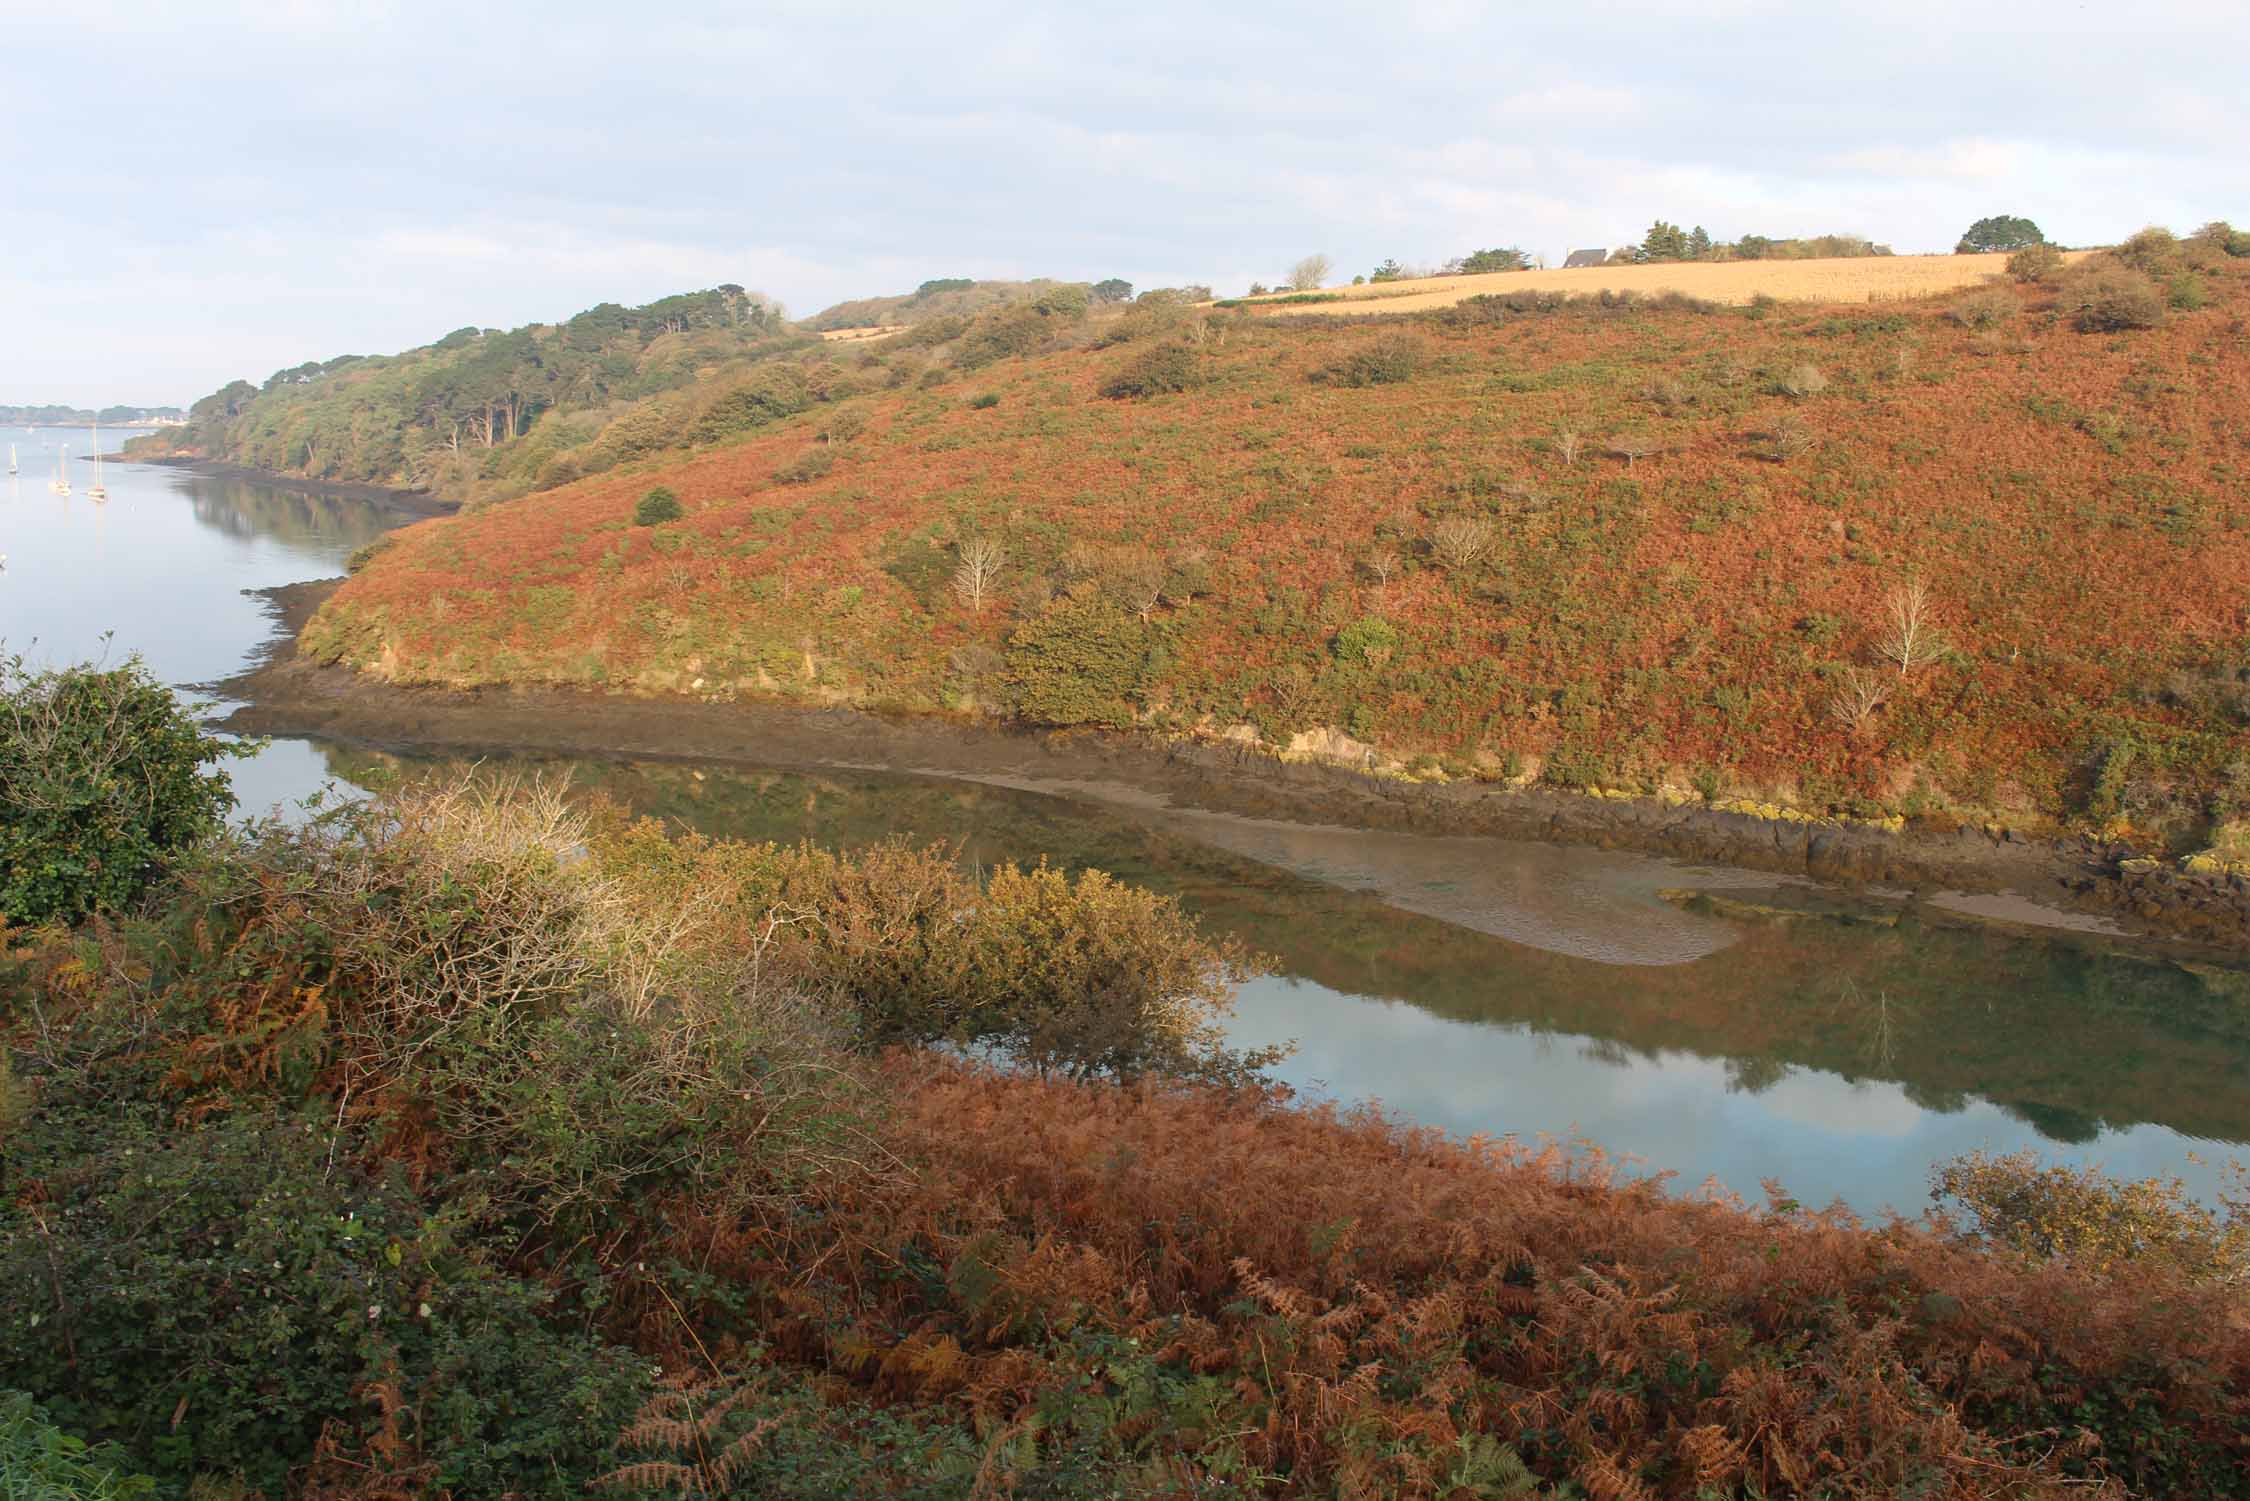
(164, 565)
(1820, 1134)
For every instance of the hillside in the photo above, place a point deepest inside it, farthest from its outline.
(944, 297)
(1986, 556)
(485, 413)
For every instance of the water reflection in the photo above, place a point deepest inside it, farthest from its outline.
(1840, 1050)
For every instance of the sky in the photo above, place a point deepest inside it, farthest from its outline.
(195, 193)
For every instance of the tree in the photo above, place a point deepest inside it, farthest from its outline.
(1309, 274)
(2000, 232)
(1911, 637)
(1664, 242)
(1390, 270)
(1699, 244)
(1478, 262)
(1116, 289)
(977, 572)
(1460, 541)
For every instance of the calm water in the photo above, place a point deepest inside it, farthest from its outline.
(1707, 1023)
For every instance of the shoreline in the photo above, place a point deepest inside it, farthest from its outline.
(420, 503)
(283, 694)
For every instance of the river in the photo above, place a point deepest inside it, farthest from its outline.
(1715, 1025)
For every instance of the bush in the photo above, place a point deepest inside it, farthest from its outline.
(2225, 238)
(812, 464)
(2036, 264)
(1367, 642)
(1384, 360)
(2111, 298)
(104, 777)
(657, 507)
(984, 401)
(1987, 309)
(288, 1305)
(1081, 661)
(1157, 371)
(2094, 1222)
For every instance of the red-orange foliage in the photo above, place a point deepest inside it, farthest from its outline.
(2067, 498)
(1373, 1296)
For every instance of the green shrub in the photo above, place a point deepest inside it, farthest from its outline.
(2223, 237)
(1157, 371)
(812, 464)
(104, 776)
(1382, 361)
(984, 401)
(657, 507)
(1368, 641)
(1081, 661)
(1986, 309)
(2036, 264)
(2112, 298)
(39, 1462)
(235, 1291)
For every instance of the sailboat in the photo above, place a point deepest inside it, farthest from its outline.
(96, 490)
(62, 471)
(11, 458)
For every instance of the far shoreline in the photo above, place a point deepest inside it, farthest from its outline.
(417, 502)
(285, 695)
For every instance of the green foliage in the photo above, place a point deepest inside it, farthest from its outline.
(812, 464)
(658, 506)
(2112, 298)
(1999, 232)
(1079, 975)
(220, 1296)
(2036, 264)
(1367, 642)
(1384, 360)
(1081, 661)
(1478, 262)
(1114, 289)
(39, 1462)
(984, 401)
(104, 776)
(1159, 370)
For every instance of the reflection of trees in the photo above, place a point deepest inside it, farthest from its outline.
(2064, 1032)
(1754, 1075)
(246, 511)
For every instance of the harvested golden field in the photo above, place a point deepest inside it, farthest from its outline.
(866, 335)
(1867, 278)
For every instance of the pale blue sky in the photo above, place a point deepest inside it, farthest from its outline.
(190, 193)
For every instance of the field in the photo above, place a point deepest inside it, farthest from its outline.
(1655, 549)
(1876, 278)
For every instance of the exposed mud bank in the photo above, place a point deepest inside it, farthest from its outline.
(418, 502)
(286, 695)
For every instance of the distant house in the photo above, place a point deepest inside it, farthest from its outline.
(1586, 258)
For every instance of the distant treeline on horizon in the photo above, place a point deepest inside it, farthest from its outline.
(61, 416)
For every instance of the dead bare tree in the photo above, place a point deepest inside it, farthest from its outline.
(1859, 693)
(1381, 565)
(1633, 447)
(1460, 541)
(977, 572)
(1569, 443)
(1911, 637)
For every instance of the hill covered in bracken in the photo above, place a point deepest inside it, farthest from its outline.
(1981, 556)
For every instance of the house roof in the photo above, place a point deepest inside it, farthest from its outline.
(1586, 258)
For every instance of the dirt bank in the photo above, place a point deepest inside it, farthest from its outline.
(286, 695)
(418, 502)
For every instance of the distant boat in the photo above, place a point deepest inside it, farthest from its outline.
(62, 471)
(96, 490)
(11, 458)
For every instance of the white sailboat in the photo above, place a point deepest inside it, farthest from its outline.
(96, 490)
(11, 458)
(62, 471)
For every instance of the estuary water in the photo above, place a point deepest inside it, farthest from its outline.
(1711, 1024)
